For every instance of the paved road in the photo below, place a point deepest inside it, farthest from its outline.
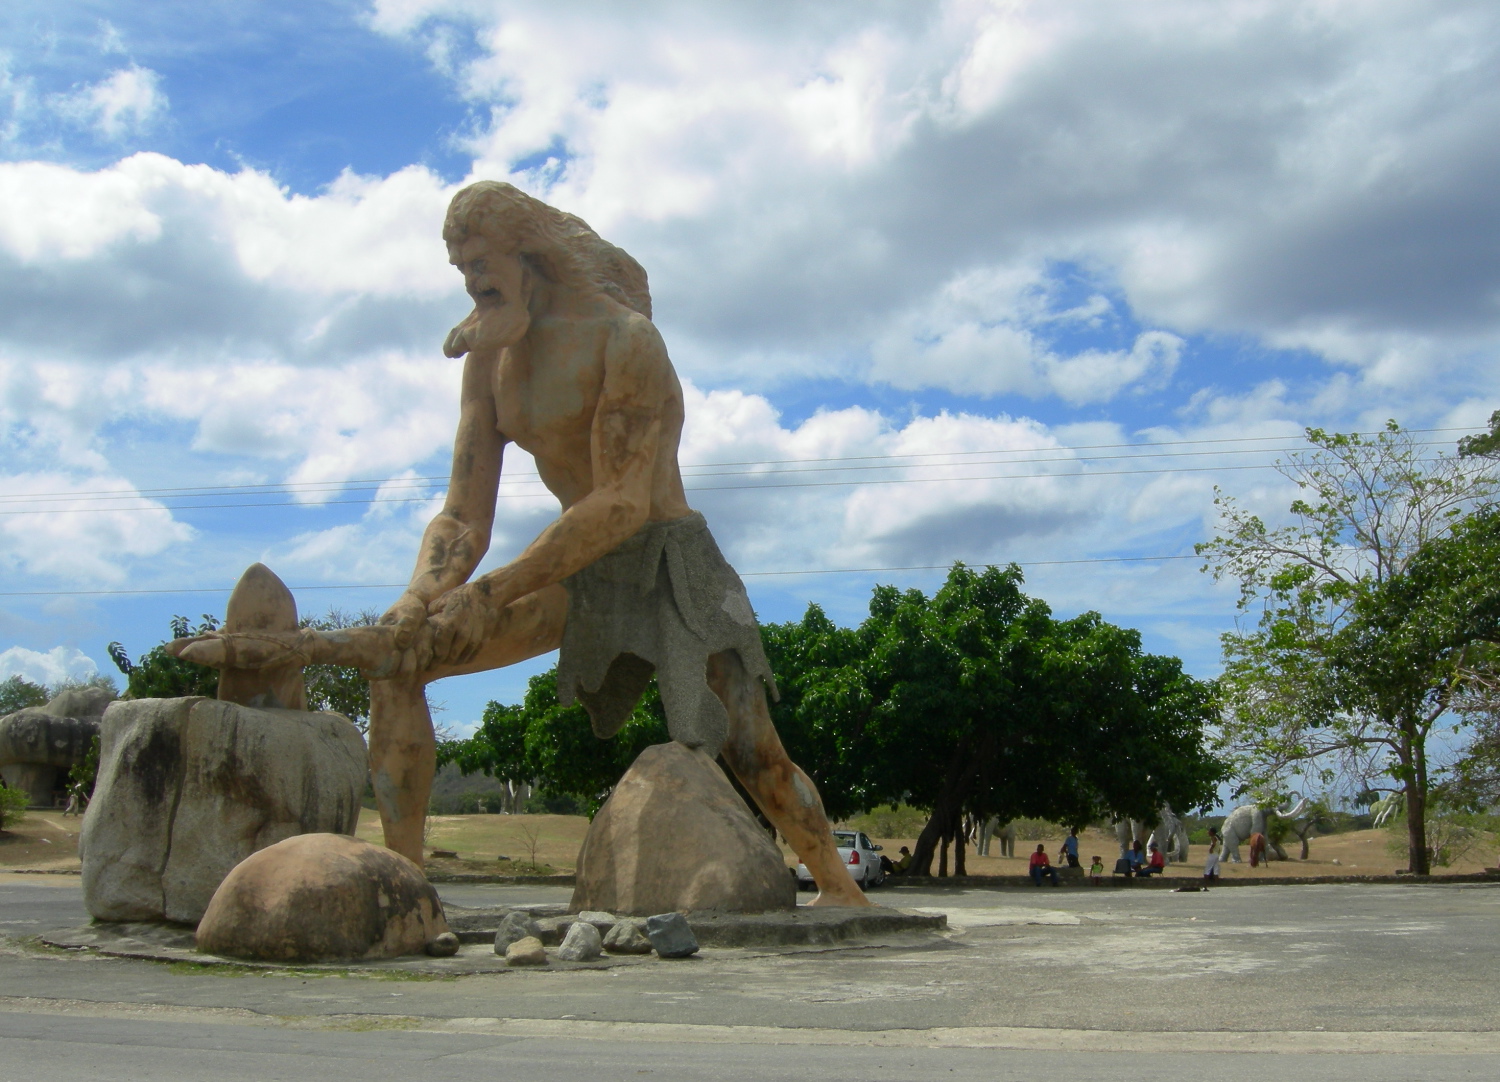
(1235, 983)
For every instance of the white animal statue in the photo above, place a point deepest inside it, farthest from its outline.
(991, 829)
(1169, 834)
(1250, 819)
(1388, 807)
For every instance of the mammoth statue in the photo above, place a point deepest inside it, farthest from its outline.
(1250, 819)
(992, 829)
(1169, 834)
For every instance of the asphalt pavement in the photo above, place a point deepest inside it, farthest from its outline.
(1305, 982)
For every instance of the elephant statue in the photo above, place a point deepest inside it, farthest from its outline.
(1169, 834)
(1250, 819)
(1388, 807)
(991, 829)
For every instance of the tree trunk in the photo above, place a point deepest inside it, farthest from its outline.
(943, 858)
(939, 825)
(1415, 761)
(959, 867)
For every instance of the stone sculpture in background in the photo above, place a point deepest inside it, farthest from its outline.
(1169, 834)
(189, 787)
(563, 361)
(1250, 819)
(41, 744)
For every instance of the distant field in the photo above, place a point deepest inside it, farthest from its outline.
(44, 839)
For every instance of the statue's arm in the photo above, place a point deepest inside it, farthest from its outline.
(638, 384)
(459, 536)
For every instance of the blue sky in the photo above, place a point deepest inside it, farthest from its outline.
(1036, 277)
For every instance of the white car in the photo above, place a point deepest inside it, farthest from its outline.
(860, 856)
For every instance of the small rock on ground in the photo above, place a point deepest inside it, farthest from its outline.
(515, 926)
(627, 937)
(582, 943)
(444, 945)
(670, 935)
(527, 951)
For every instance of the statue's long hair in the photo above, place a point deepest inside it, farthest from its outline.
(561, 247)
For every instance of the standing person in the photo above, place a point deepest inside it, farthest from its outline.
(1096, 871)
(1041, 866)
(1070, 847)
(1214, 841)
(1211, 868)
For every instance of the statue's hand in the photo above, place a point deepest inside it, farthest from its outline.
(406, 616)
(461, 620)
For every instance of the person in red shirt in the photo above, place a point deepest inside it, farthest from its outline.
(1156, 865)
(1041, 866)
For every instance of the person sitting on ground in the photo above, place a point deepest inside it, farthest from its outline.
(1070, 848)
(1096, 870)
(901, 866)
(1041, 866)
(1156, 865)
(1211, 869)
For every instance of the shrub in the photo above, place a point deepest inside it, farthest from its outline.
(13, 804)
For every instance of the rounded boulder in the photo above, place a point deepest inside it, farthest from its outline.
(322, 898)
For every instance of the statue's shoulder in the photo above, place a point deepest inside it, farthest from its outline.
(635, 339)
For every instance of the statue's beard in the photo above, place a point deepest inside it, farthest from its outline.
(488, 329)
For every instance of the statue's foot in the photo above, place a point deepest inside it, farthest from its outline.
(853, 897)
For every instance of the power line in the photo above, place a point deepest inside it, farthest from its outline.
(745, 575)
(688, 488)
(1061, 454)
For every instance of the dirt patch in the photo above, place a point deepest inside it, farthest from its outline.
(44, 839)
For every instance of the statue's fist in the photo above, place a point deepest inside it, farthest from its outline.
(406, 616)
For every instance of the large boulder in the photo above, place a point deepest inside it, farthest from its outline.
(324, 898)
(674, 835)
(41, 744)
(190, 787)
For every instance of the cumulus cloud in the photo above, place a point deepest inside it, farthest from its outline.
(124, 103)
(85, 529)
(794, 175)
(57, 665)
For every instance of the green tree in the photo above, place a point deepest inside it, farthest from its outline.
(17, 693)
(1339, 678)
(159, 675)
(340, 688)
(553, 747)
(13, 805)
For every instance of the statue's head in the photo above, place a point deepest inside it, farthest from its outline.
(559, 247)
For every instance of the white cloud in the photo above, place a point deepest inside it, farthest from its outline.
(124, 103)
(80, 529)
(55, 666)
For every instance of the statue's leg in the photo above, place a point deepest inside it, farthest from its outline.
(403, 755)
(785, 794)
(403, 759)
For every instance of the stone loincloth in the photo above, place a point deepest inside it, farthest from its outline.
(666, 601)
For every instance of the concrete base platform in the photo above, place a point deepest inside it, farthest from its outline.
(802, 927)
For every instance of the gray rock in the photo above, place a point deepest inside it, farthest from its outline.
(88, 702)
(38, 746)
(527, 951)
(581, 944)
(323, 898)
(597, 917)
(516, 926)
(190, 787)
(670, 935)
(627, 937)
(443, 945)
(674, 835)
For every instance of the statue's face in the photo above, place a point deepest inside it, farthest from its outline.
(500, 286)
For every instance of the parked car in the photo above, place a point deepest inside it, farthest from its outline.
(860, 855)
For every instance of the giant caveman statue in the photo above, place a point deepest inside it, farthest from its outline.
(563, 361)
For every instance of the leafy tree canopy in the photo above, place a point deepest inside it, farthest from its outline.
(17, 693)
